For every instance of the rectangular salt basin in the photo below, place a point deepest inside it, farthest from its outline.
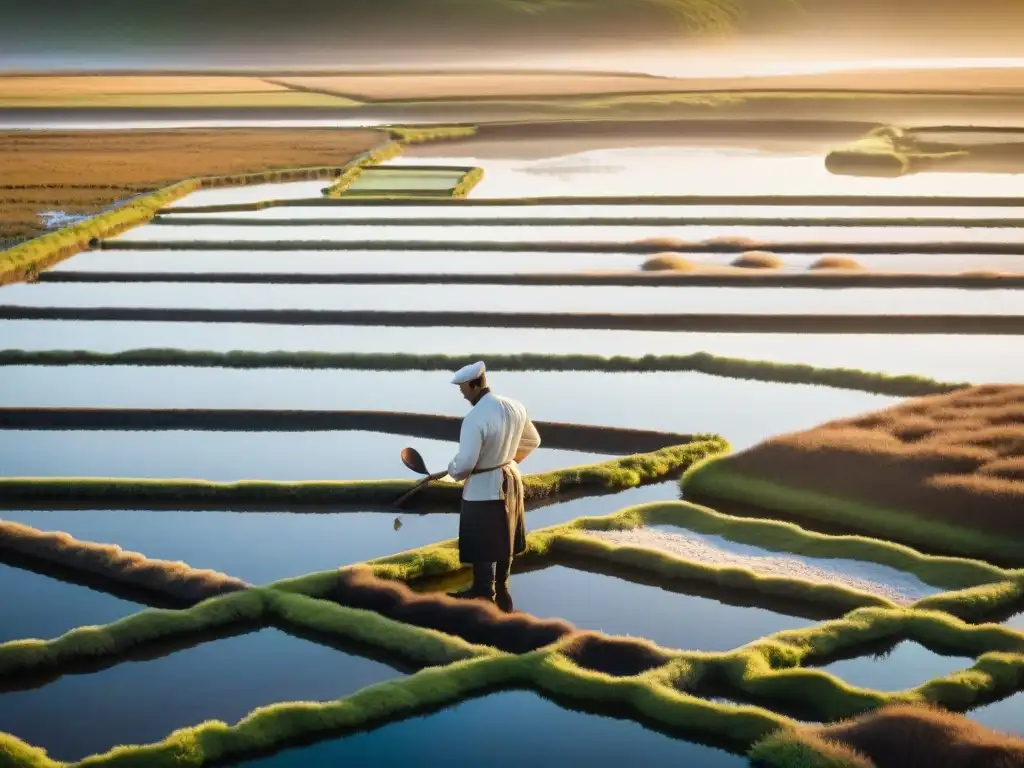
(616, 606)
(41, 607)
(689, 170)
(906, 665)
(990, 358)
(330, 262)
(884, 580)
(583, 212)
(262, 547)
(462, 262)
(519, 298)
(554, 737)
(744, 411)
(232, 456)
(253, 193)
(580, 233)
(143, 702)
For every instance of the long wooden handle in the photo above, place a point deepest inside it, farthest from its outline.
(420, 484)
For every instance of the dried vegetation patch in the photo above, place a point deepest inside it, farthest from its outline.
(82, 172)
(955, 458)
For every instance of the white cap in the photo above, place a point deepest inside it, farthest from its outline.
(469, 372)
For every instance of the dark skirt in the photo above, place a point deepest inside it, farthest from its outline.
(491, 531)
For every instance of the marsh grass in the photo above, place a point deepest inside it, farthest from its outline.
(110, 562)
(893, 736)
(82, 172)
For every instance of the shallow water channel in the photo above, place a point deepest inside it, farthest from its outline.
(943, 356)
(743, 411)
(556, 737)
(480, 263)
(255, 546)
(232, 456)
(143, 701)
(644, 300)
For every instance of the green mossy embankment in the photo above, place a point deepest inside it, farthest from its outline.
(697, 362)
(614, 475)
(947, 573)
(353, 169)
(715, 480)
(420, 134)
(26, 260)
(466, 184)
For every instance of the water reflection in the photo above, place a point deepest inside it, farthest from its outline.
(895, 667)
(554, 737)
(142, 702)
(744, 411)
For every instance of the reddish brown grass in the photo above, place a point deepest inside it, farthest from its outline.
(902, 735)
(174, 579)
(957, 457)
(83, 171)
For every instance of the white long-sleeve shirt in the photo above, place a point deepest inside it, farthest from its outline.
(493, 432)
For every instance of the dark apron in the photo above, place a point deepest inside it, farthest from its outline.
(494, 530)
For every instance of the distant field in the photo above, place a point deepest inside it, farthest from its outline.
(339, 90)
(83, 171)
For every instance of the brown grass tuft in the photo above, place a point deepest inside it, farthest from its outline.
(175, 579)
(613, 656)
(757, 260)
(668, 261)
(475, 621)
(835, 261)
(901, 735)
(956, 457)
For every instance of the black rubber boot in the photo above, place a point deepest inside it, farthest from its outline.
(483, 584)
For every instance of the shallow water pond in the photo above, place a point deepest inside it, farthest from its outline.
(562, 233)
(947, 357)
(583, 212)
(907, 665)
(260, 547)
(556, 737)
(332, 262)
(519, 298)
(743, 411)
(894, 584)
(616, 606)
(231, 456)
(139, 702)
(1006, 715)
(483, 263)
(697, 171)
(40, 607)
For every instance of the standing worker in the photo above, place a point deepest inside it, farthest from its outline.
(496, 436)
